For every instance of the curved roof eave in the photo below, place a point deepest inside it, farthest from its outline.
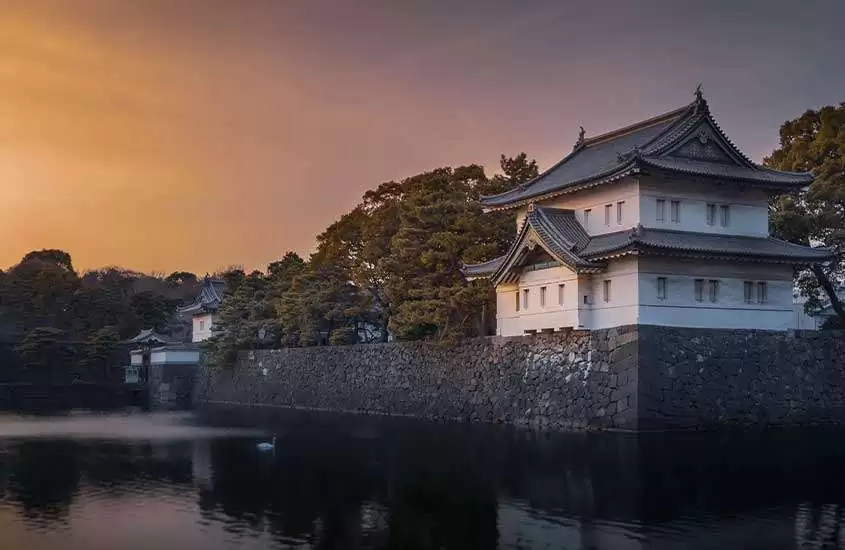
(623, 170)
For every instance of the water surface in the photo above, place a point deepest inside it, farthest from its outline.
(105, 482)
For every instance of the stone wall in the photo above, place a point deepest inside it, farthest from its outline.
(170, 386)
(632, 378)
(569, 379)
(693, 378)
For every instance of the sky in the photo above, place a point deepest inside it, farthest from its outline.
(199, 134)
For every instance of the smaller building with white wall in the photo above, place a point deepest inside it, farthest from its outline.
(203, 311)
(663, 222)
(152, 349)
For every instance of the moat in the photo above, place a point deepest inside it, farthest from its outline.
(138, 481)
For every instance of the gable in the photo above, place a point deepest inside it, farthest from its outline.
(703, 143)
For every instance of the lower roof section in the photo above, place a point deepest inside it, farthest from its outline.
(645, 239)
(569, 245)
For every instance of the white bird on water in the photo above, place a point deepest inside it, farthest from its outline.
(264, 446)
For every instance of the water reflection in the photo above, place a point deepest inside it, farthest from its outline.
(377, 483)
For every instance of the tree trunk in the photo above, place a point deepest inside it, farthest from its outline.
(829, 289)
(385, 320)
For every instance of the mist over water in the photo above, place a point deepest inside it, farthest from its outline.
(92, 425)
(163, 481)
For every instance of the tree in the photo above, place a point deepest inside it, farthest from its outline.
(59, 258)
(46, 350)
(815, 142)
(322, 306)
(181, 277)
(101, 350)
(358, 243)
(40, 292)
(247, 319)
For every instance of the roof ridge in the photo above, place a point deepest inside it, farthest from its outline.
(653, 121)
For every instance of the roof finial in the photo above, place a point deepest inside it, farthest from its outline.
(700, 102)
(580, 141)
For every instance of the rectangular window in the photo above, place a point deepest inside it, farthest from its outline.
(587, 300)
(676, 211)
(661, 210)
(542, 296)
(711, 214)
(762, 292)
(525, 299)
(516, 295)
(202, 325)
(606, 291)
(699, 290)
(608, 208)
(620, 206)
(725, 217)
(661, 288)
(748, 291)
(587, 213)
(560, 294)
(714, 290)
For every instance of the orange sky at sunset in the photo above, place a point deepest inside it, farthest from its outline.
(193, 135)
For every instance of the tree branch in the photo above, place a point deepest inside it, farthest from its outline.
(830, 290)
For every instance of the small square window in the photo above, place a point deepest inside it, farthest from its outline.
(661, 288)
(714, 290)
(661, 210)
(676, 211)
(699, 290)
(762, 292)
(725, 217)
(748, 291)
(606, 291)
(542, 296)
(711, 214)
(560, 289)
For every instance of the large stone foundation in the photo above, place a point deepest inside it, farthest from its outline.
(631, 378)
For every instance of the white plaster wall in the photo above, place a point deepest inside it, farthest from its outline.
(803, 321)
(595, 199)
(749, 213)
(621, 309)
(136, 359)
(174, 356)
(552, 316)
(204, 333)
(681, 309)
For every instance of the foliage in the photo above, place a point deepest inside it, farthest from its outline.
(58, 317)
(45, 349)
(404, 244)
(815, 141)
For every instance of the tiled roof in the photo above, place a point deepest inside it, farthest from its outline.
(565, 239)
(148, 335)
(482, 269)
(591, 161)
(209, 298)
(560, 234)
(653, 143)
(689, 242)
(759, 174)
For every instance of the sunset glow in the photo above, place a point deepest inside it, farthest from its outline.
(164, 135)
